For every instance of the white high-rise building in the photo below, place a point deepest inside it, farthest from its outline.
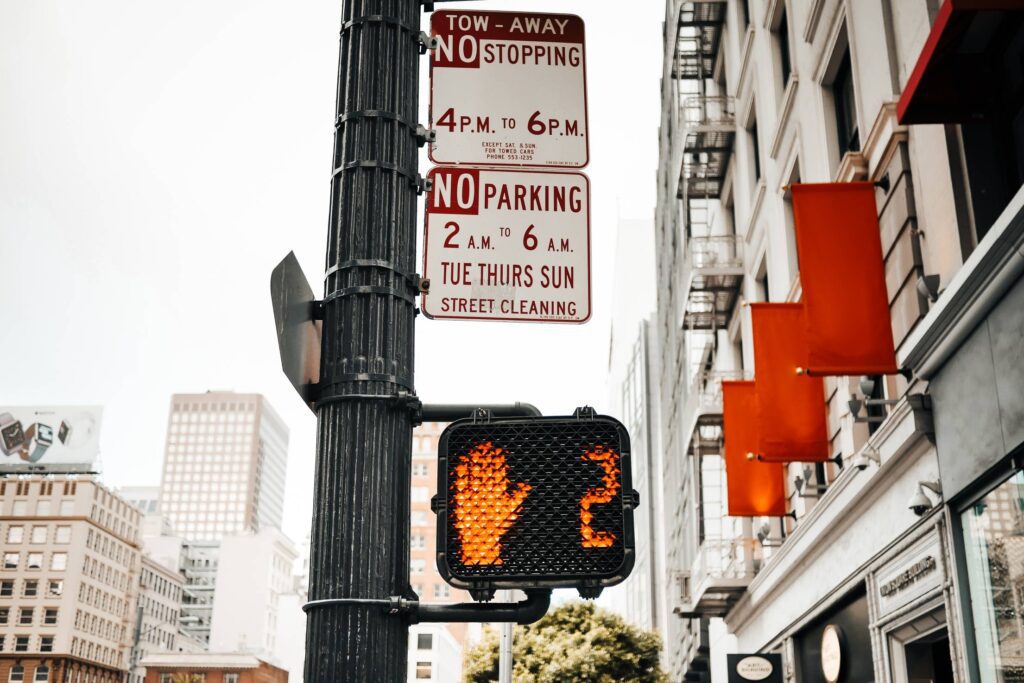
(225, 465)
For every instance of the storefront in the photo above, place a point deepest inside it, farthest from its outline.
(861, 591)
(971, 349)
(970, 346)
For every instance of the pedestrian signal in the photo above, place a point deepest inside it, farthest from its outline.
(535, 503)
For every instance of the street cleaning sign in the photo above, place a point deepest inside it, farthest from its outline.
(508, 89)
(507, 245)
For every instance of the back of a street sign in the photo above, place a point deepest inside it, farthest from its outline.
(508, 89)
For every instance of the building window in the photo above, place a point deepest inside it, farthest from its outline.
(442, 590)
(425, 641)
(993, 529)
(755, 151)
(26, 615)
(782, 35)
(43, 508)
(417, 566)
(230, 678)
(15, 533)
(50, 616)
(166, 678)
(31, 588)
(5, 614)
(418, 542)
(423, 670)
(846, 108)
(35, 561)
(59, 561)
(17, 674)
(21, 643)
(420, 469)
(6, 588)
(20, 508)
(11, 560)
(38, 535)
(46, 643)
(56, 587)
(63, 536)
(420, 494)
(42, 672)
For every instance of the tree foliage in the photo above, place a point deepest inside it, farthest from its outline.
(575, 642)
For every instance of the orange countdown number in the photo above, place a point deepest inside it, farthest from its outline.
(609, 462)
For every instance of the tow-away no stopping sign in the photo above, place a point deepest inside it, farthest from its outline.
(507, 244)
(508, 89)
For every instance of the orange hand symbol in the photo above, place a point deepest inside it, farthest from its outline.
(484, 509)
(608, 460)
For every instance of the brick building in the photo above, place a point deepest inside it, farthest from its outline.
(210, 667)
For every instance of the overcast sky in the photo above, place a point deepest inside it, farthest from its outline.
(157, 160)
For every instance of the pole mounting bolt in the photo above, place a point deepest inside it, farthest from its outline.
(425, 135)
(422, 184)
(427, 42)
(425, 285)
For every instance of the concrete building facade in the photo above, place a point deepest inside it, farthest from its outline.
(760, 94)
(69, 580)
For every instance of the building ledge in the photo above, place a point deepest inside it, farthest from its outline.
(989, 272)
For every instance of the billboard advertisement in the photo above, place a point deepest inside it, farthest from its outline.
(52, 438)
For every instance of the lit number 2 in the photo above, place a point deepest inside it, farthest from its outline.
(609, 462)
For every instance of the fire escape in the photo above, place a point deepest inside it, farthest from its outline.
(723, 558)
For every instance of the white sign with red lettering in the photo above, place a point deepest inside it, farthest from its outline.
(511, 245)
(508, 89)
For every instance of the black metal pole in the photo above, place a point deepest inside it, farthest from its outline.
(360, 534)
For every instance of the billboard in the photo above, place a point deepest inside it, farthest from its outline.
(52, 438)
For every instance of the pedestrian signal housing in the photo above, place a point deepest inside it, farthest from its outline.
(535, 503)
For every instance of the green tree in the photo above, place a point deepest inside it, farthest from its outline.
(575, 642)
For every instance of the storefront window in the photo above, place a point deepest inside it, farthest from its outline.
(993, 530)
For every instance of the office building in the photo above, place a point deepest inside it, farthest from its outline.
(225, 465)
(69, 581)
(898, 553)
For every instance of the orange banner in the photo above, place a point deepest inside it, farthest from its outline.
(754, 489)
(842, 273)
(790, 406)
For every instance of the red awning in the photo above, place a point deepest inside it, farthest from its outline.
(953, 80)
